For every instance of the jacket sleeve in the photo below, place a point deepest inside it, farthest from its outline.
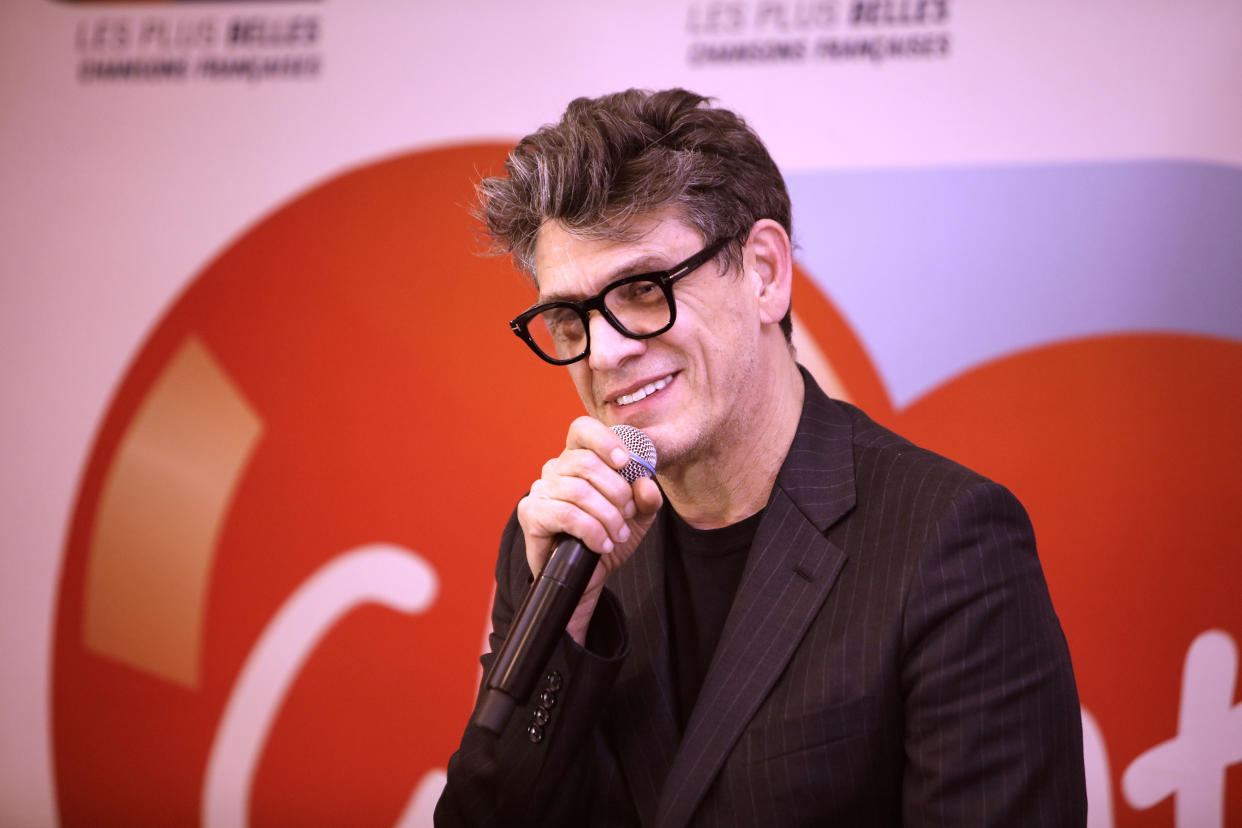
(537, 772)
(993, 733)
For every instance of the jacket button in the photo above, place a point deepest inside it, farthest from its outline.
(534, 733)
(548, 699)
(541, 716)
(553, 678)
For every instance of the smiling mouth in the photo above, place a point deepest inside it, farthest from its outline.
(644, 392)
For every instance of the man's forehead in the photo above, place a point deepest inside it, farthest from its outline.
(570, 261)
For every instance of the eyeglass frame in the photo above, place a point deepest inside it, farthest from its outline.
(520, 325)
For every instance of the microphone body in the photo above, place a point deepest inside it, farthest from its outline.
(548, 605)
(536, 629)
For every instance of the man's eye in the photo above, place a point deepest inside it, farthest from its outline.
(639, 292)
(562, 323)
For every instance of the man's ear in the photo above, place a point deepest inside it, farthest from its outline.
(769, 260)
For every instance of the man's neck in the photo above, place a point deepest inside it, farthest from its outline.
(735, 481)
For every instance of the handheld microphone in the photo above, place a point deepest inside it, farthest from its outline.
(548, 605)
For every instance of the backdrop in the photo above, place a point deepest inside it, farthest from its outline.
(263, 419)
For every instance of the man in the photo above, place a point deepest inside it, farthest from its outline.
(809, 621)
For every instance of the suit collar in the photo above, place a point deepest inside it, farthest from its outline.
(818, 473)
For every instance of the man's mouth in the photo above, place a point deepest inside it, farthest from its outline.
(644, 392)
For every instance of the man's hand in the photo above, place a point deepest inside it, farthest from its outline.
(581, 494)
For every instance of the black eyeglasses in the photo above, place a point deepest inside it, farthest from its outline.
(639, 306)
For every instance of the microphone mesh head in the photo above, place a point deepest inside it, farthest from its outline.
(642, 452)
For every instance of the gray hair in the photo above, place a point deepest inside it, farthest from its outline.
(615, 158)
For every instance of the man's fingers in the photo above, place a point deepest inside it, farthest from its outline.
(581, 494)
(584, 496)
(647, 497)
(544, 518)
(587, 465)
(592, 435)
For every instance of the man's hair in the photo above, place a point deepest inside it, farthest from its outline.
(618, 157)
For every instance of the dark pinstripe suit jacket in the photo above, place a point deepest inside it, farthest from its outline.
(891, 658)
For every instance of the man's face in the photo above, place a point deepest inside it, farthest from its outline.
(687, 388)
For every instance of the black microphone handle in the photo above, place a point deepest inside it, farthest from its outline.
(537, 627)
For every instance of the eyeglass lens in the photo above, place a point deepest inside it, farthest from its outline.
(639, 307)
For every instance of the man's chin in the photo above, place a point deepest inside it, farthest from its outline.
(670, 446)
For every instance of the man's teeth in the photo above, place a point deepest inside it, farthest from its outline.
(644, 392)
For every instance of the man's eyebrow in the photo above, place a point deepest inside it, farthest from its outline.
(646, 262)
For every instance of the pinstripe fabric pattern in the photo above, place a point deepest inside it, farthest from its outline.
(891, 658)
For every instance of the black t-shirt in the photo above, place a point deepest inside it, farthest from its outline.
(703, 569)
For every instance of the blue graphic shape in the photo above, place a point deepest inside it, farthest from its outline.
(942, 270)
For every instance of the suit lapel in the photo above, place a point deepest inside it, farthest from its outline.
(789, 572)
(643, 722)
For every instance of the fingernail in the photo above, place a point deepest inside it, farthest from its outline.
(620, 458)
(607, 546)
(630, 509)
(624, 534)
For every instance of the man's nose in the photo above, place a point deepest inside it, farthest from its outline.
(610, 347)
